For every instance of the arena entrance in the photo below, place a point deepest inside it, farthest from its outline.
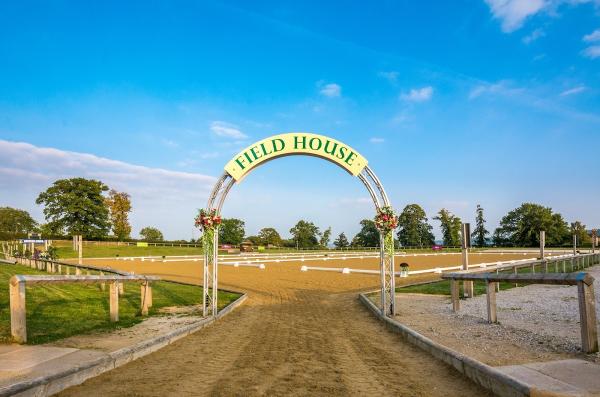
(287, 145)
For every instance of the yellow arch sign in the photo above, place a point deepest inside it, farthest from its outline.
(295, 143)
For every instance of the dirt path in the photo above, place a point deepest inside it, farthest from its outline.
(298, 334)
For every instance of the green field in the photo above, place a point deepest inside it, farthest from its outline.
(62, 310)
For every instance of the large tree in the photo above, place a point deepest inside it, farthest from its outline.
(368, 236)
(450, 225)
(150, 233)
(413, 229)
(232, 231)
(269, 236)
(325, 237)
(341, 241)
(578, 229)
(15, 222)
(521, 227)
(76, 206)
(119, 205)
(480, 233)
(305, 234)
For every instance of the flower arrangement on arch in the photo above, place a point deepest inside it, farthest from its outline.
(386, 220)
(207, 220)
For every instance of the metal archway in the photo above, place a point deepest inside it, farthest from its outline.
(380, 199)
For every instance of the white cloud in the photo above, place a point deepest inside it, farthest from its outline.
(418, 94)
(592, 37)
(331, 90)
(533, 36)
(573, 91)
(502, 87)
(512, 13)
(376, 140)
(592, 52)
(227, 130)
(392, 77)
(163, 198)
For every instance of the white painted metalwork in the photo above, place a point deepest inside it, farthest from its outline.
(216, 200)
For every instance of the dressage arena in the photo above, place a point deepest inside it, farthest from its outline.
(298, 333)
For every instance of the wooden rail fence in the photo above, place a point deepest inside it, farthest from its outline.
(585, 288)
(17, 284)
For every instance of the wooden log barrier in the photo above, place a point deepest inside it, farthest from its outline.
(17, 292)
(585, 293)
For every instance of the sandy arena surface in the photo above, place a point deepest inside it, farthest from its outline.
(299, 333)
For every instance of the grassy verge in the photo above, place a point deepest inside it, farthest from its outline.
(112, 251)
(443, 287)
(62, 310)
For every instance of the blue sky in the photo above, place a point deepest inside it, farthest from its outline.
(457, 103)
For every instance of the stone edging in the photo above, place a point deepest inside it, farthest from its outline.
(54, 383)
(482, 374)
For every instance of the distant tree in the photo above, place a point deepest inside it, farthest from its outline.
(305, 234)
(578, 229)
(341, 241)
(151, 234)
(413, 229)
(480, 233)
(325, 237)
(450, 225)
(521, 227)
(269, 235)
(119, 206)
(76, 206)
(368, 236)
(231, 231)
(255, 240)
(15, 222)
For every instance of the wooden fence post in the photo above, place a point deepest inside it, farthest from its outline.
(121, 288)
(455, 293)
(18, 314)
(77, 271)
(146, 297)
(114, 301)
(587, 316)
(102, 285)
(490, 288)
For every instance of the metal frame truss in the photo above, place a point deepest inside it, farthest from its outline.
(386, 262)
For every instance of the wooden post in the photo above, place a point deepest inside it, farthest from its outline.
(114, 301)
(121, 288)
(542, 253)
(80, 250)
(146, 297)
(587, 316)
(497, 284)
(18, 313)
(455, 293)
(466, 244)
(490, 289)
(515, 271)
(77, 271)
(102, 285)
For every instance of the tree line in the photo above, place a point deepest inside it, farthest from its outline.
(90, 208)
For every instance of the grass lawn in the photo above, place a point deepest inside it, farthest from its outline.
(99, 251)
(62, 310)
(443, 287)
